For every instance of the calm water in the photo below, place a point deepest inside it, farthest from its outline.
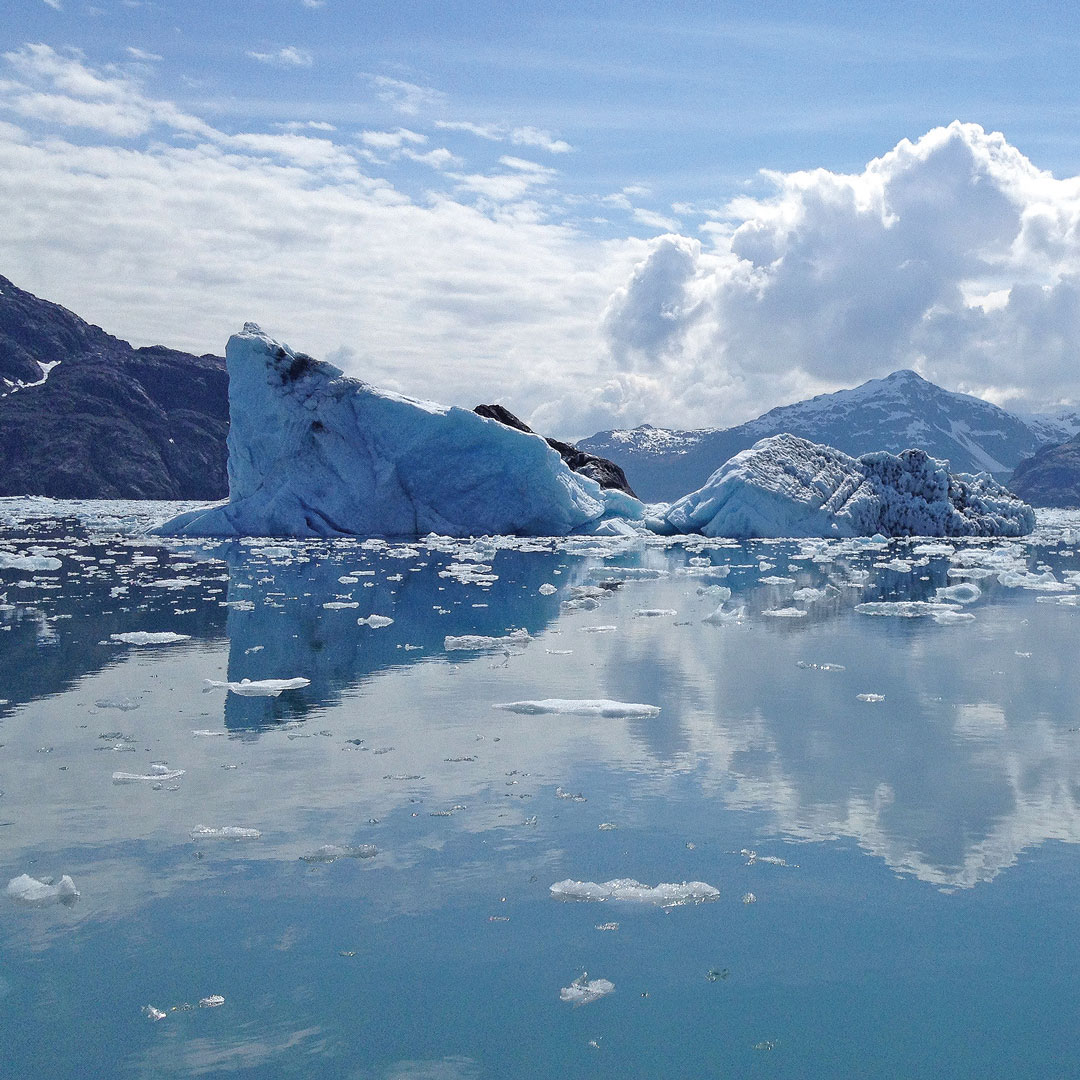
(915, 897)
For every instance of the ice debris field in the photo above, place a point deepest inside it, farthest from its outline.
(313, 806)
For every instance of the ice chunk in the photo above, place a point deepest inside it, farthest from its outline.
(965, 592)
(224, 832)
(722, 615)
(905, 609)
(472, 642)
(158, 774)
(330, 852)
(870, 697)
(583, 990)
(142, 637)
(654, 613)
(375, 621)
(314, 453)
(8, 561)
(785, 486)
(580, 707)
(547, 590)
(152, 1013)
(259, 687)
(785, 613)
(28, 890)
(631, 891)
(211, 1002)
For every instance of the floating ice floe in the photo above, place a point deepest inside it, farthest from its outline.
(158, 774)
(580, 707)
(340, 605)
(785, 613)
(630, 891)
(224, 832)
(299, 425)
(143, 637)
(475, 642)
(8, 561)
(785, 486)
(870, 697)
(547, 590)
(28, 890)
(904, 609)
(654, 613)
(722, 615)
(583, 990)
(329, 853)
(965, 592)
(259, 687)
(375, 621)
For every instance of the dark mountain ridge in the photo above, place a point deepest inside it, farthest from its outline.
(83, 414)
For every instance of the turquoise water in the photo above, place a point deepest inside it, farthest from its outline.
(922, 923)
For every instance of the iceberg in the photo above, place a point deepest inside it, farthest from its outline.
(785, 486)
(313, 453)
(583, 990)
(258, 687)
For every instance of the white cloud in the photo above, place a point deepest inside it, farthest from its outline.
(142, 54)
(519, 136)
(406, 98)
(530, 136)
(313, 3)
(305, 125)
(438, 158)
(54, 4)
(491, 132)
(391, 140)
(953, 255)
(652, 220)
(287, 56)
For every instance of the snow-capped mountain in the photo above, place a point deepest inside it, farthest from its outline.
(84, 415)
(900, 412)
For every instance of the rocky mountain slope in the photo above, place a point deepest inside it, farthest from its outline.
(1051, 477)
(896, 413)
(85, 415)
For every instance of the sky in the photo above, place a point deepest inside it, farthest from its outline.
(596, 214)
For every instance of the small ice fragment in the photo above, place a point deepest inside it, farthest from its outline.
(905, 609)
(259, 687)
(340, 605)
(721, 616)
(224, 832)
(157, 775)
(329, 852)
(475, 642)
(152, 1013)
(607, 926)
(870, 697)
(29, 890)
(211, 1002)
(653, 613)
(375, 621)
(749, 898)
(206, 732)
(597, 629)
(142, 637)
(785, 613)
(9, 561)
(123, 704)
(579, 603)
(947, 617)
(964, 592)
(580, 707)
(607, 826)
(631, 891)
(547, 590)
(583, 990)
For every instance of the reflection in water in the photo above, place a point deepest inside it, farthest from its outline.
(942, 750)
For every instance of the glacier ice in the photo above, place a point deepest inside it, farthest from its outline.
(785, 486)
(258, 687)
(29, 890)
(315, 453)
(583, 990)
(143, 637)
(666, 894)
(580, 707)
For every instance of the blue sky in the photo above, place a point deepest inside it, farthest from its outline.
(561, 205)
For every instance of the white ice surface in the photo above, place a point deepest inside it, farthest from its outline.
(580, 707)
(315, 453)
(29, 890)
(785, 486)
(666, 894)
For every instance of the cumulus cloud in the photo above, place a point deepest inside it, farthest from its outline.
(287, 56)
(953, 255)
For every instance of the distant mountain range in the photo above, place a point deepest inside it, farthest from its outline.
(898, 412)
(85, 415)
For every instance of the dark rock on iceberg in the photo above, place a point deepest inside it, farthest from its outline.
(605, 472)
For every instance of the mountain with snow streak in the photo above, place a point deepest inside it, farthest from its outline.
(84, 415)
(900, 412)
